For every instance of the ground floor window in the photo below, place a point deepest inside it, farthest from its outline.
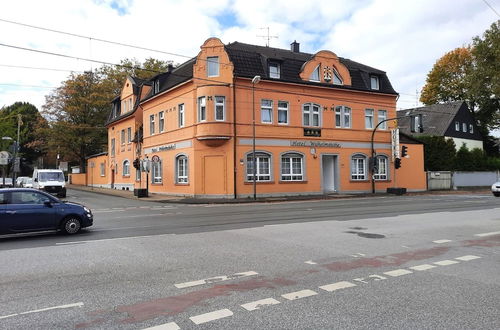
(182, 169)
(381, 168)
(126, 168)
(358, 167)
(156, 175)
(292, 167)
(262, 165)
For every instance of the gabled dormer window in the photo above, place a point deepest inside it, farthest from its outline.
(315, 74)
(274, 70)
(156, 89)
(374, 83)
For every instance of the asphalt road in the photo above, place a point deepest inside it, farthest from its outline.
(399, 262)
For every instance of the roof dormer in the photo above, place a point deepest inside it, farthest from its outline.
(325, 67)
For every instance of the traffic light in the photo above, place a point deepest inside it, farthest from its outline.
(374, 164)
(397, 163)
(136, 163)
(404, 151)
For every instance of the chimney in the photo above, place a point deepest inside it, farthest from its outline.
(170, 67)
(295, 47)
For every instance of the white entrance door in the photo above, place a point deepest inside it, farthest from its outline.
(328, 165)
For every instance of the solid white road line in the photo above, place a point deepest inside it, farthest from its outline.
(398, 272)
(467, 258)
(79, 304)
(166, 326)
(422, 267)
(337, 286)
(441, 241)
(214, 279)
(445, 262)
(488, 234)
(254, 305)
(207, 317)
(299, 294)
(6, 316)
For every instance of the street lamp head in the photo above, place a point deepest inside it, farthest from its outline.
(256, 80)
(7, 138)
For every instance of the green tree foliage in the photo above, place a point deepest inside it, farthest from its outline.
(31, 144)
(439, 153)
(475, 160)
(77, 111)
(471, 74)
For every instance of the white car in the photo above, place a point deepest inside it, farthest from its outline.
(495, 189)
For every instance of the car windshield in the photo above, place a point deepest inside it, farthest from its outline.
(50, 176)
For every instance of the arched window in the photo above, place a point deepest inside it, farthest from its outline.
(262, 165)
(292, 167)
(311, 115)
(156, 175)
(181, 166)
(382, 172)
(126, 168)
(358, 167)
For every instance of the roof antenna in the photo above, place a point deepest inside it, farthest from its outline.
(268, 36)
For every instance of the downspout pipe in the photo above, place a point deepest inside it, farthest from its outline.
(235, 162)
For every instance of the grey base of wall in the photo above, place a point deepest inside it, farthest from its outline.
(396, 191)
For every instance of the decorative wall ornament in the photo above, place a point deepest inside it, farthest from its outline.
(327, 73)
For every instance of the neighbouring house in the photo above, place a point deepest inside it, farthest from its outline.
(452, 120)
(241, 119)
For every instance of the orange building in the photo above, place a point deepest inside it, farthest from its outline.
(307, 118)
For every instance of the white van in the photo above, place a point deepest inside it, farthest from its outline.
(51, 181)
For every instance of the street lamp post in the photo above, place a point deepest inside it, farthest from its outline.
(255, 81)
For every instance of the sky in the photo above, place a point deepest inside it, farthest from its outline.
(403, 38)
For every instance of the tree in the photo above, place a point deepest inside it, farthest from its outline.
(439, 153)
(471, 74)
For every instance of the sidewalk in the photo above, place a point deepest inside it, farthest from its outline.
(190, 200)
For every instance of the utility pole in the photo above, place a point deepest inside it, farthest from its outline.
(17, 163)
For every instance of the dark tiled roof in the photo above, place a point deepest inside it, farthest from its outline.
(437, 118)
(180, 74)
(251, 60)
(137, 84)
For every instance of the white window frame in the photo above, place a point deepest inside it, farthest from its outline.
(156, 86)
(464, 127)
(181, 115)
(161, 122)
(266, 108)
(359, 173)
(181, 169)
(126, 168)
(381, 116)
(382, 173)
(308, 116)
(156, 172)
(220, 103)
(152, 124)
(130, 104)
(277, 73)
(293, 175)
(471, 129)
(102, 169)
(369, 114)
(113, 147)
(129, 134)
(337, 79)
(343, 115)
(122, 137)
(284, 107)
(314, 73)
(374, 83)
(261, 158)
(457, 126)
(213, 66)
(202, 109)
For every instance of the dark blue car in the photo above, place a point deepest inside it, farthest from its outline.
(28, 210)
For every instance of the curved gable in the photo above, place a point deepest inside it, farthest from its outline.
(329, 65)
(213, 47)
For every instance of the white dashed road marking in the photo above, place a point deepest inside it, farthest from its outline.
(445, 262)
(441, 241)
(310, 262)
(422, 267)
(166, 326)
(212, 316)
(337, 286)
(251, 306)
(214, 279)
(467, 258)
(488, 234)
(398, 272)
(299, 294)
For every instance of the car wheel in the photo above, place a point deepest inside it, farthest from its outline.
(497, 194)
(71, 225)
